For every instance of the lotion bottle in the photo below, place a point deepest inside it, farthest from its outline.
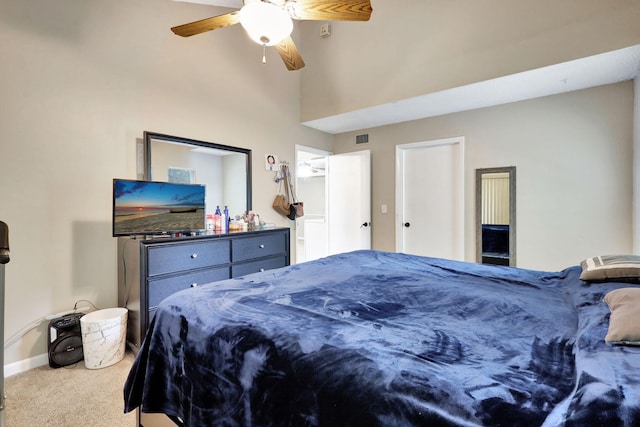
(210, 223)
(216, 219)
(223, 223)
(226, 219)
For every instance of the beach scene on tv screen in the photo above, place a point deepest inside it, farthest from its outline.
(154, 207)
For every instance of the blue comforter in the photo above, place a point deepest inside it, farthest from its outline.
(384, 339)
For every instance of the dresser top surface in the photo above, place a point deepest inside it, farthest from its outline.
(169, 238)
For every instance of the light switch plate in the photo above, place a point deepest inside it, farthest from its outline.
(325, 30)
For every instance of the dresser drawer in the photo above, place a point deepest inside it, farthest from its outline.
(257, 246)
(249, 267)
(162, 288)
(186, 256)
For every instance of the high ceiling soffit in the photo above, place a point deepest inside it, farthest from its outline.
(607, 68)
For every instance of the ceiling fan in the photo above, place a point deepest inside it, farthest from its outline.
(269, 22)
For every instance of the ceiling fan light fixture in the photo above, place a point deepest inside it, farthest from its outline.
(266, 23)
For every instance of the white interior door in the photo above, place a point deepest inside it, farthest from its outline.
(430, 198)
(349, 201)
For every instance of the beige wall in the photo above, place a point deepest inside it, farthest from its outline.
(80, 82)
(573, 154)
(412, 47)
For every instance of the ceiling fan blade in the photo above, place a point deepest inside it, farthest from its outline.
(331, 10)
(207, 24)
(289, 54)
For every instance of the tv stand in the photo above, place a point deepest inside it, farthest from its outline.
(151, 269)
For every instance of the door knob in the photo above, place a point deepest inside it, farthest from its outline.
(365, 224)
(407, 224)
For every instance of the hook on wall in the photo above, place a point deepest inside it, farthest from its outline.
(282, 171)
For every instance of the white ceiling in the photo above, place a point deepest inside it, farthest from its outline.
(597, 70)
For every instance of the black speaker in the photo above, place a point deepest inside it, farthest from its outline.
(65, 340)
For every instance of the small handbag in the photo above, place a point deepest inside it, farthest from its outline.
(297, 207)
(281, 202)
(281, 205)
(292, 212)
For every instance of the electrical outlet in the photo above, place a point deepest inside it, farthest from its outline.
(383, 209)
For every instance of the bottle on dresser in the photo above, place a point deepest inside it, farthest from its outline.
(217, 217)
(225, 223)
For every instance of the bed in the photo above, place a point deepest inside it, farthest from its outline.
(373, 338)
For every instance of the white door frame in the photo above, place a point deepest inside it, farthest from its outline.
(400, 151)
(300, 223)
(318, 151)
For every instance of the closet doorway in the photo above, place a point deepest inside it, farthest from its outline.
(311, 177)
(336, 191)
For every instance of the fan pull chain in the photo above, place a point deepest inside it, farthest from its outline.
(264, 53)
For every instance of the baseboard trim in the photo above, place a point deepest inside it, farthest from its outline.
(26, 364)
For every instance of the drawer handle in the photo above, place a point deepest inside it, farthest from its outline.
(261, 246)
(261, 270)
(194, 256)
(194, 285)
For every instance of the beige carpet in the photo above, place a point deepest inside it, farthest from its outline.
(72, 396)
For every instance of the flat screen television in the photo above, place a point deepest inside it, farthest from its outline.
(156, 208)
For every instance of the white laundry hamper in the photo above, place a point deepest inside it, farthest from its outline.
(104, 335)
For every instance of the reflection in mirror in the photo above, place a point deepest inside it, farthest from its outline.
(225, 170)
(496, 216)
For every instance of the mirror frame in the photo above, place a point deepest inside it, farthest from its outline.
(148, 136)
(512, 211)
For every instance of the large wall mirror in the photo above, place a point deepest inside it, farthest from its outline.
(225, 170)
(496, 216)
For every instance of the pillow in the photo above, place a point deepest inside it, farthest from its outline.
(624, 323)
(611, 267)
